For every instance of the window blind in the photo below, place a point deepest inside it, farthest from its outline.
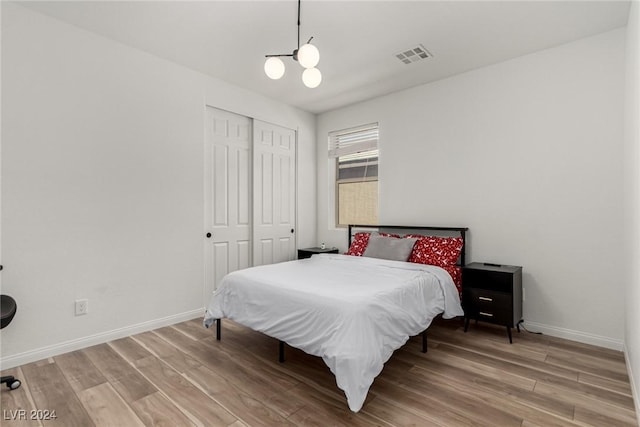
(358, 166)
(352, 141)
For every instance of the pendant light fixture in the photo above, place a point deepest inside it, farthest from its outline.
(307, 55)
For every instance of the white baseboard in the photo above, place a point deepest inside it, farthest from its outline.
(572, 335)
(77, 344)
(634, 390)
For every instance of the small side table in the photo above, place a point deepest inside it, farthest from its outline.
(307, 252)
(492, 293)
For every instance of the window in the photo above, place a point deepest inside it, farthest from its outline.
(356, 155)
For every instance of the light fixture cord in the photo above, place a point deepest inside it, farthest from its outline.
(298, 24)
(295, 52)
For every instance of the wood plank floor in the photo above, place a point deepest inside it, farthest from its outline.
(182, 376)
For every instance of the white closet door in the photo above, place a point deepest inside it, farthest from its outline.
(274, 187)
(228, 195)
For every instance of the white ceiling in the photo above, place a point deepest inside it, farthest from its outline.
(357, 40)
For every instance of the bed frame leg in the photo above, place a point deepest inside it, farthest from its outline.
(424, 341)
(218, 328)
(281, 351)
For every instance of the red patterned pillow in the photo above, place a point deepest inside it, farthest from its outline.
(456, 275)
(358, 244)
(439, 251)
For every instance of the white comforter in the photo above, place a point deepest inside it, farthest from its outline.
(351, 311)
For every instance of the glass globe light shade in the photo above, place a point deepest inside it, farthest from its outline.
(274, 67)
(308, 55)
(311, 77)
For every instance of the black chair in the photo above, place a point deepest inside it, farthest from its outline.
(8, 309)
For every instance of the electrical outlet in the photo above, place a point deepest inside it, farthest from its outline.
(82, 307)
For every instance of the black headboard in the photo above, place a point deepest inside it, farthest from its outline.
(413, 229)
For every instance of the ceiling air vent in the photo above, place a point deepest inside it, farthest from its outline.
(412, 55)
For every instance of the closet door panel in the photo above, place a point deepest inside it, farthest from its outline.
(275, 190)
(228, 195)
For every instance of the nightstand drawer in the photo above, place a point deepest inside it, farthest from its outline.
(490, 306)
(500, 317)
(485, 298)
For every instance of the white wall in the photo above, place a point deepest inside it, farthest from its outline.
(526, 153)
(632, 202)
(102, 186)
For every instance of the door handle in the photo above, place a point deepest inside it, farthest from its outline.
(292, 231)
(208, 235)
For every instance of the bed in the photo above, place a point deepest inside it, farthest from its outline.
(351, 309)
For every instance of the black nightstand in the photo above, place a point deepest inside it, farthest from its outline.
(307, 252)
(492, 293)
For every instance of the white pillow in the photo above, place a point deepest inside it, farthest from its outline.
(389, 247)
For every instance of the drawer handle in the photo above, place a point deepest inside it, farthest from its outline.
(485, 299)
(482, 313)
